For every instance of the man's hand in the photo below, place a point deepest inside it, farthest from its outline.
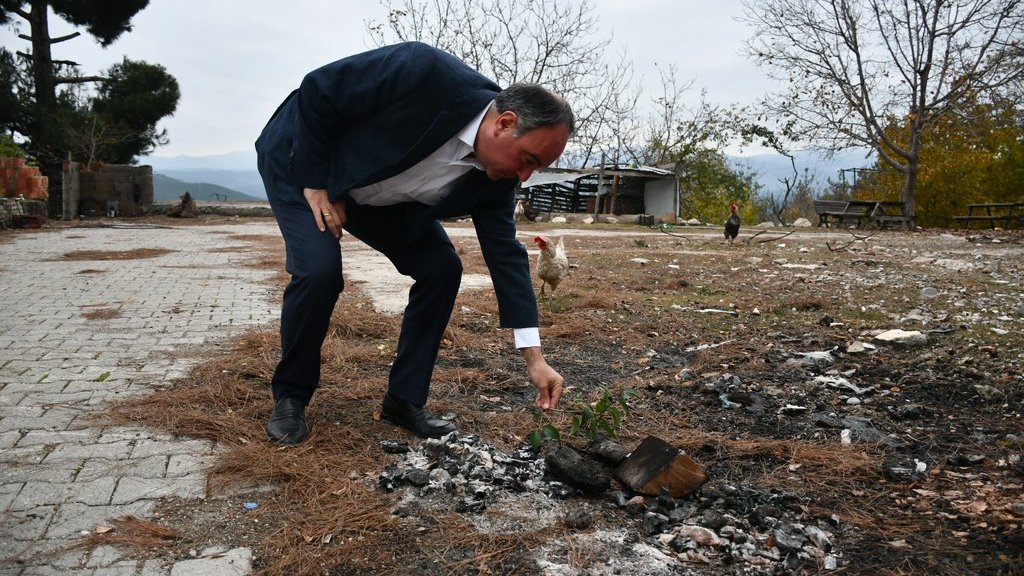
(328, 216)
(544, 378)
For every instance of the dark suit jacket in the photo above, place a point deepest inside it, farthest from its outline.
(373, 115)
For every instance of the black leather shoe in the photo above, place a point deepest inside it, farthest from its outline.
(418, 420)
(287, 424)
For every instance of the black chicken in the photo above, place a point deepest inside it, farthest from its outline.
(732, 225)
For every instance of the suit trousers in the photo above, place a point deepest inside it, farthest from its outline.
(314, 261)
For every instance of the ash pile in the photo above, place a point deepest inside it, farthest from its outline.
(648, 514)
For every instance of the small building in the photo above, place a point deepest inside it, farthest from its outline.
(612, 189)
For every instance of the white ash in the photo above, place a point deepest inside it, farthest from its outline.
(722, 529)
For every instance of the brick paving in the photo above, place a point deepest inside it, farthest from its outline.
(62, 473)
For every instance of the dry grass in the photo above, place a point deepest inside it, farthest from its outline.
(130, 531)
(600, 330)
(102, 314)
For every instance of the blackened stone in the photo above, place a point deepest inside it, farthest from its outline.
(681, 544)
(584, 473)
(620, 498)
(435, 448)
(787, 539)
(741, 397)
(665, 499)
(470, 506)
(964, 460)
(562, 493)
(712, 520)
(827, 420)
(909, 412)
(904, 470)
(653, 523)
(578, 519)
(416, 477)
(680, 514)
(388, 479)
(394, 447)
(711, 492)
(765, 515)
(608, 451)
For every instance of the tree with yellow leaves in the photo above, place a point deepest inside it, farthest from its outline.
(975, 156)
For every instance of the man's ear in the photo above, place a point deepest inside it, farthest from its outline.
(507, 120)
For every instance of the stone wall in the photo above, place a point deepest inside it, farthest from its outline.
(22, 213)
(107, 190)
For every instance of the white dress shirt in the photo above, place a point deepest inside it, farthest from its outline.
(429, 181)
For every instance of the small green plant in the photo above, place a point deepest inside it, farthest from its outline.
(604, 417)
(543, 434)
(102, 377)
(641, 243)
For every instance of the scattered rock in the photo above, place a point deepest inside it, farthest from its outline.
(903, 337)
(578, 519)
(577, 470)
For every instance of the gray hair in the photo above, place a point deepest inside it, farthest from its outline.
(536, 107)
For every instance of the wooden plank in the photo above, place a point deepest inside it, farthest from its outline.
(656, 465)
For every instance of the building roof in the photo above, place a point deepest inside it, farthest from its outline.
(545, 176)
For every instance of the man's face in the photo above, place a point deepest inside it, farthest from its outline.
(505, 156)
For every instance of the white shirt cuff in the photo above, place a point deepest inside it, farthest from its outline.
(526, 337)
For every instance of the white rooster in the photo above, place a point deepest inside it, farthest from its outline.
(552, 264)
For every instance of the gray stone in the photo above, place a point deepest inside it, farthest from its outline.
(236, 562)
(26, 524)
(73, 519)
(131, 489)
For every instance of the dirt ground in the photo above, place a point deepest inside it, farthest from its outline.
(758, 358)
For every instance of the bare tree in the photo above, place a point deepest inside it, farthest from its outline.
(855, 66)
(551, 42)
(676, 131)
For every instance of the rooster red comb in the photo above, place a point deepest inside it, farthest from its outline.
(733, 206)
(541, 241)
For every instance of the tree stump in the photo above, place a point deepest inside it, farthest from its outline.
(186, 209)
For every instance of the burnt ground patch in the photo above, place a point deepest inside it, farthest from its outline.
(759, 360)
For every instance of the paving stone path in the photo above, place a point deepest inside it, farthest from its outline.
(76, 333)
(63, 473)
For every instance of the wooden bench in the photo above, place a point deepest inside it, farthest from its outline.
(840, 212)
(1005, 214)
(886, 213)
(880, 213)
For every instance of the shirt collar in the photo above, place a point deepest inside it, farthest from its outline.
(468, 134)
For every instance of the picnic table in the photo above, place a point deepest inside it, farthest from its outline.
(1008, 214)
(880, 213)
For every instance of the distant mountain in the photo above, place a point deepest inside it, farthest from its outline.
(240, 160)
(247, 182)
(237, 170)
(167, 189)
(234, 170)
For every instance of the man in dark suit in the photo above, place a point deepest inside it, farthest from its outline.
(385, 144)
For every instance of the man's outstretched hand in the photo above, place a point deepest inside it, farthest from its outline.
(545, 379)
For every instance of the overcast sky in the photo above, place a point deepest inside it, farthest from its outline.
(235, 61)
